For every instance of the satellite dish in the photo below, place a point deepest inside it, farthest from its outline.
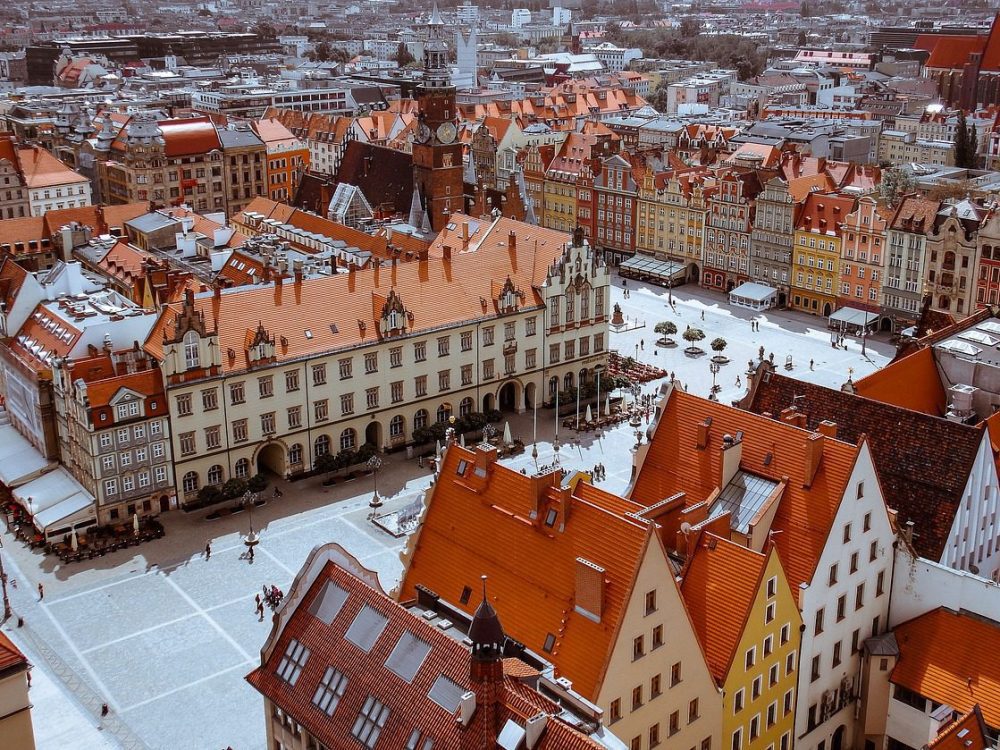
(685, 528)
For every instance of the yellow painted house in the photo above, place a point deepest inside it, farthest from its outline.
(746, 617)
(815, 281)
(671, 219)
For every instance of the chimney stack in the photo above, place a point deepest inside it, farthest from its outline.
(446, 251)
(512, 241)
(828, 428)
(814, 455)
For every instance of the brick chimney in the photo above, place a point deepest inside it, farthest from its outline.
(512, 241)
(814, 455)
(732, 454)
(703, 433)
(828, 428)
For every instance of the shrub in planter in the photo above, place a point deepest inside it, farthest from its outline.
(209, 494)
(493, 415)
(422, 435)
(365, 452)
(693, 335)
(719, 344)
(665, 328)
(235, 487)
(258, 482)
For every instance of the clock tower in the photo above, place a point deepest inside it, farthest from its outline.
(437, 152)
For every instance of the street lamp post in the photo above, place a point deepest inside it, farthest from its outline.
(250, 540)
(374, 464)
(714, 367)
(598, 369)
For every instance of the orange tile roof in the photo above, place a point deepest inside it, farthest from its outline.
(531, 568)
(189, 136)
(721, 580)
(99, 218)
(965, 733)
(674, 463)
(147, 382)
(124, 262)
(24, 230)
(824, 213)
(438, 293)
(12, 277)
(42, 169)
(10, 655)
(912, 382)
(951, 658)
(274, 133)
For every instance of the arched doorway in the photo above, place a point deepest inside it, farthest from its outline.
(164, 503)
(694, 273)
(885, 325)
(488, 403)
(827, 310)
(782, 299)
(730, 285)
(373, 434)
(508, 396)
(529, 395)
(838, 738)
(271, 458)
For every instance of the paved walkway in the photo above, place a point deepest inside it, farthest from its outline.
(165, 637)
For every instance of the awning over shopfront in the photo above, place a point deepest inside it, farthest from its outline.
(753, 295)
(20, 461)
(852, 316)
(57, 502)
(648, 268)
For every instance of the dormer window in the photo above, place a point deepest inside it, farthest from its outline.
(192, 354)
(395, 320)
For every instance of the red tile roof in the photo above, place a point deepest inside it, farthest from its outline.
(10, 655)
(824, 213)
(912, 383)
(41, 169)
(949, 51)
(532, 568)
(436, 292)
(951, 658)
(967, 732)
(774, 450)
(721, 580)
(908, 449)
(189, 136)
(409, 703)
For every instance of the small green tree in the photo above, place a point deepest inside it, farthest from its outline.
(719, 344)
(896, 182)
(665, 328)
(234, 487)
(693, 335)
(258, 482)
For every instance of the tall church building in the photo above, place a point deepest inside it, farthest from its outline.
(437, 152)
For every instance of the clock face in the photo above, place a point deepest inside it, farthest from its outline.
(423, 133)
(446, 132)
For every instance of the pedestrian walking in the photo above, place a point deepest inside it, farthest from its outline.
(739, 383)
(702, 314)
(260, 611)
(250, 553)
(208, 550)
(41, 592)
(642, 344)
(257, 599)
(104, 709)
(810, 364)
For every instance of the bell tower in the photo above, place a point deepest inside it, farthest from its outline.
(437, 152)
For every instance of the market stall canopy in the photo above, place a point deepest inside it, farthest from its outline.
(57, 502)
(753, 295)
(20, 461)
(852, 316)
(645, 267)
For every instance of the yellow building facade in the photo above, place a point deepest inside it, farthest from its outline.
(816, 250)
(671, 220)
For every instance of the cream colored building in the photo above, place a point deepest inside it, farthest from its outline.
(274, 376)
(16, 731)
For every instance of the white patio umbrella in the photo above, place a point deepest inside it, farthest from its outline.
(437, 450)
(461, 439)
(607, 407)
(73, 541)
(507, 439)
(590, 414)
(135, 522)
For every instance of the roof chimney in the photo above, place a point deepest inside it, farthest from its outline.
(533, 730)
(814, 454)
(732, 454)
(446, 251)
(512, 241)
(589, 589)
(703, 433)
(467, 708)
(828, 428)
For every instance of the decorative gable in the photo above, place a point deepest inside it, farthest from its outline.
(259, 346)
(394, 317)
(509, 298)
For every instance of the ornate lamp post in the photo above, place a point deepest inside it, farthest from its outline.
(714, 367)
(598, 369)
(252, 539)
(374, 464)
(3, 582)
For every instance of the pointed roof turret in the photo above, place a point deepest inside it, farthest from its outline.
(486, 632)
(416, 210)
(436, 16)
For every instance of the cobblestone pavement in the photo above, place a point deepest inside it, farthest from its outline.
(165, 636)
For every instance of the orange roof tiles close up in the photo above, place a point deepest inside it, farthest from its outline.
(951, 658)
(770, 449)
(721, 579)
(10, 655)
(967, 732)
(912, 383)
(41, 169)
(532, 567)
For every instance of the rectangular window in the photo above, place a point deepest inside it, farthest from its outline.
(371, 397)
(187, 443)
(344, 369)
(444, 343)
(444, 380)
(125, 459)
(212, 438)
(693, 710)
(209, 399)
(321, 410)
(873, 551)
(814, 673)
(488, 336)
(487, 369)
(265, 386)
(396, 391)
(616, 710)
(880, 584)
(638, 647)
(841, 607)
(420, 351)
(396, 356)
(657, 636)
(347, 403)
(675, 674)
(655, 688)
(371, 363)
(239, 430)
(859, 596)
(329, 691)
(267, 423)
(236, 394)
(738, 701)
(420, 385)
(184, 404)
(790, 663)
(368, 726)
(291, 381)
(553, 353)
(466, 374)
(529, 327)
(466, 341)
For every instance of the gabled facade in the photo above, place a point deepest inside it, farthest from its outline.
(952, 257)
(616, 198)
(728, 222)
(748, 621)
(591, 589)
(862, 258)
(817, 499)
(988, 252)
(906, 236)
(817, 250)
(772, 237)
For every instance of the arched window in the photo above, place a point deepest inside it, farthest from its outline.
(242, 468)
(420, 419)
(465, 407)
(215, 475)
(322, 446)
(192, 357)
(295, 454)
(396, 427)
(190, 481)
(443, 412)
(348, 439)
(568, 381)
(553, 386)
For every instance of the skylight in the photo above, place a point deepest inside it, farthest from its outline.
(292, 663)
(366, 628)
(408, 656)
(446, 693)
(326, 606)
